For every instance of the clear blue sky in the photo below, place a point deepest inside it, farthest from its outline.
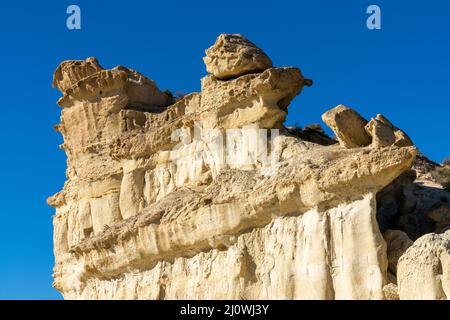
(401, 71)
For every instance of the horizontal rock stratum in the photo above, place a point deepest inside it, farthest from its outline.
(164, 194)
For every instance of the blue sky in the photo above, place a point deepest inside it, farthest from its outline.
(401, 71)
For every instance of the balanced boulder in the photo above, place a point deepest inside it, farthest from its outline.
(348, 126)
(232, 55)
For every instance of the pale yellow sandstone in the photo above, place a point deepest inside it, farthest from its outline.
(424, 269)
(71, 71)
(232, 55)
(384, 133)
(391, 292)
(348, 126)
(152, 210)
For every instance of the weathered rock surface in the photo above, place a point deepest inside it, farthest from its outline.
(424, 270)
(414, 203)
(232, 55)
(348, 126)
(391, 292)
(384, 133)
(71, 71)
(162, 195)
(397, 243)
(440, 214)
(312, 133)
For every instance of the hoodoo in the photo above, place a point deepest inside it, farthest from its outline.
(143, 217)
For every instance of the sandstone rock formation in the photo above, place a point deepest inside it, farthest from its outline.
(397, 243)
(384, 133)
(163, 195)
(348, 126)
(415, 203)
(71, 71)
(424, 270)
(233, 55)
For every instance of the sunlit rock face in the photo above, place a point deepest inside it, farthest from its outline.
(233, 55)
(163, 194)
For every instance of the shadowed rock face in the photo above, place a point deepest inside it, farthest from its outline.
(416, 207)
(152, 209)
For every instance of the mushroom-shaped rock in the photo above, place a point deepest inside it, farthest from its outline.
(70, 72)
(232, 55)
(348, 126)
(423, 271)
(385, 134)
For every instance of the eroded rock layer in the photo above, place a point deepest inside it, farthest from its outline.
(163, 195)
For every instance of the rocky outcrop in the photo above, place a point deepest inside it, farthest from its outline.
(353, 131)
(415, 203)
(384, 133)
(312, 133)
(70, 72)
(162, 195)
